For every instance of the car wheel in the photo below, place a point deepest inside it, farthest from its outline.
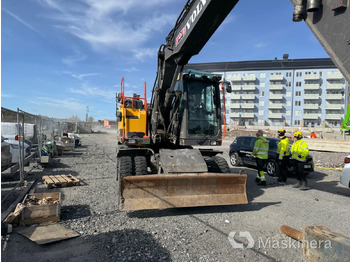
(235, 160)
(272, 167)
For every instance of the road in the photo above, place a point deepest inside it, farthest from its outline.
(183, 234)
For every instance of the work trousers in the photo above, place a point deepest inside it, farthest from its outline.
(299, 168)
(283, 169)
(260, 165)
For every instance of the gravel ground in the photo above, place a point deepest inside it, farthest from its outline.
(186, 234)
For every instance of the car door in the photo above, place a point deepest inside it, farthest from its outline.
(246, 150)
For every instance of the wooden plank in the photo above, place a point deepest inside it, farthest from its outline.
(63, 182)
(39, 220)
(75, 180)
(321, 244)
(48, 233)
(68, 181)
(48, 181)
(55, 180)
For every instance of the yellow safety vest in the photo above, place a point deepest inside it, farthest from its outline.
(261, 148)
(283, 148)
(299, 148)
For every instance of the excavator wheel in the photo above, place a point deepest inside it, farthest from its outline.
(222, 164)
(124, 166)
(211, 164)
(140, 163)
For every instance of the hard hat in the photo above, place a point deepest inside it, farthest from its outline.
(281, 132)
(298, 134)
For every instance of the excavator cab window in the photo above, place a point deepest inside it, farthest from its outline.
(202, 108)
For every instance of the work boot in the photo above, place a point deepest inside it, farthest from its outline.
(304, 186)
(297, 185)
(262, 183)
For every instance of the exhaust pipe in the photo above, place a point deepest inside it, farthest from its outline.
(313, 5)
(299, 11)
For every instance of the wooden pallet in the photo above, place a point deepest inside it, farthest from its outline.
(61, 181)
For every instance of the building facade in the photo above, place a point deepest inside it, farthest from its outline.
(298, 92)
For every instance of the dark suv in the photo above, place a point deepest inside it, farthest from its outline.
(242, 147)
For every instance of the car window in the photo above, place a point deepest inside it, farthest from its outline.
(273, 144)
(246, 141)
(252, 142)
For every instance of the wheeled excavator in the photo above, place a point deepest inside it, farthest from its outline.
(161, 159)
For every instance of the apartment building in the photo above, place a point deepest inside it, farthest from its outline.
(286, 92)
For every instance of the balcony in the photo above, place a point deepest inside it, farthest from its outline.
(334, 86)
(311, 116)
(312, 76)
(311, 106)
(311, 96)
(312, 87)
(236, 78)
(250, 77)
(235, 105)
(334, 96)
(334, 76)
(248, 106)
(247, 115)
(235, 96)
(276, 97)
(235, 115)
(276, 87)
(236, 87)
(249, 87)
(248, 96)
(276, 77)
(333, 116)
(275, 115)
(275, 106)
(334, 106)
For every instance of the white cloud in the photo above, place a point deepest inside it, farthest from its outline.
(21, 20)
(80, 76)
(107, 95)
(7, 95)
(107, 23)
(259, 45)
(61, 104)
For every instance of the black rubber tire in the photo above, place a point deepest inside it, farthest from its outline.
(124, 166)
(140, 165)
(272, 168)
(222, 164)
(235, 160)
(211, 164)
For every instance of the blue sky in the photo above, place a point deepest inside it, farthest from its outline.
(59, 57)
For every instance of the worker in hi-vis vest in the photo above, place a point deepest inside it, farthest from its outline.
(283, 156)
(260, 152)
(299, 153)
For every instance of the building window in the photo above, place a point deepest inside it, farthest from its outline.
(297, 113)
(288, 103)
(297, 103)
(262, 84)
(298, 93)
(299, 74)
(261, 112)
(287, 113)
(297, 122)
(289, 94)
(262, 93)
(288, 84)
(289, 74)
(262, 75)
(261, 103)
(298, 84)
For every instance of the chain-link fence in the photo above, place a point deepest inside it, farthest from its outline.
(26, 137)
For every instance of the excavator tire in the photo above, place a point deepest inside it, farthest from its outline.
(212, 166)
(140, 163)
(125, 166)
(222, 164)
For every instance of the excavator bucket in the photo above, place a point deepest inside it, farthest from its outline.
(181, 190)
